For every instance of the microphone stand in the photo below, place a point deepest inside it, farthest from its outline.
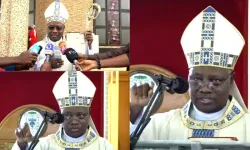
(146, 115)
(35, 140)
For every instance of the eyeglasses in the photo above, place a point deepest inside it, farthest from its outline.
(70, 117)
(198, 82)
(58, 28)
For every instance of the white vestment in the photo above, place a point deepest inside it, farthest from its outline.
(60, 141)
(179, 125)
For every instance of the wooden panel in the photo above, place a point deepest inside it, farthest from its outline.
(118, 94)
(10, 123)
(124, 117)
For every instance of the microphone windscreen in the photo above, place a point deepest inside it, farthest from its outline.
(63, 46)
(36, 49)
(49, 48)
(71, 55)
(180, 86)
(59, 118)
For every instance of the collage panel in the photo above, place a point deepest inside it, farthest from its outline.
(65, 110)
(61, 35)
(68, 82)
(68, 62)
(190, 89)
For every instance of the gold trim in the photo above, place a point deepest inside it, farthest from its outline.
(85, 143)
(222, 122)
(111, 46)
(231, 68)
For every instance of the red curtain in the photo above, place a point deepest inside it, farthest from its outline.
(157, 27)
(21, 88)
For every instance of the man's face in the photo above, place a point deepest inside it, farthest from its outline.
(209, 88)
(55, 31)
(76, 121)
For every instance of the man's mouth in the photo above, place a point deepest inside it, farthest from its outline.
(205, 100)
(75, 129)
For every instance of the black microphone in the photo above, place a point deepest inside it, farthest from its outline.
(173, 85)
(53, 118)
(70, 53)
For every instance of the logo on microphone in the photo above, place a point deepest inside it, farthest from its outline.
(49, 47)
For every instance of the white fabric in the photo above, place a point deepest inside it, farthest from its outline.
(78, 42)
(227, 39)
(205, 116)
(51, 12)
(169, 126)
(48, 143)
(234, 91)
(133, 126)
(198, 115)
(73, 140)
(85, 87)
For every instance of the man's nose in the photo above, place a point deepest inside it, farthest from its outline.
(206, 87)
(75, 120)
(54, 30)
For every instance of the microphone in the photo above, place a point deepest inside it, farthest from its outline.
(173, 85)
(70, 53)
(36, 49)
(177, 85)
(48, 51)
(53, 118)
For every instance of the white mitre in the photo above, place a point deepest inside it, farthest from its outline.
(56, 12)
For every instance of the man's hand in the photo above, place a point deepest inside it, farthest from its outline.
(23, 136)
(22, 67)
(81, 57)
(140, 96)
(56, 63)
(27, 59)
(87, 65)
(88, 36)
(46, 66)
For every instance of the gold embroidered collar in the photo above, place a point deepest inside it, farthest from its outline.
(233, 113)
(90, 138)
